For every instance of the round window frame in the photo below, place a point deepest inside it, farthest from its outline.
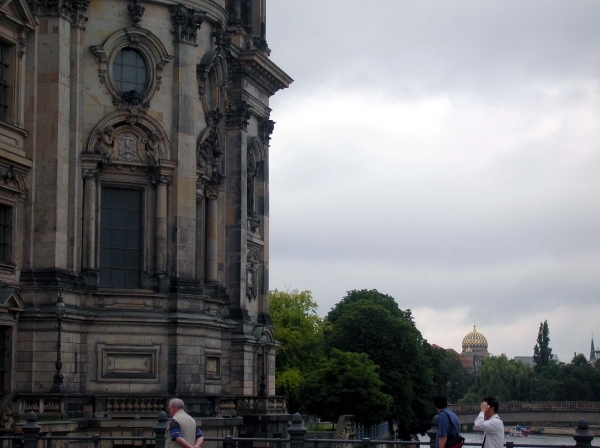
(111, 68)
(148, 45)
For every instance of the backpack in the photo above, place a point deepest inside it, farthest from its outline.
(456, 441)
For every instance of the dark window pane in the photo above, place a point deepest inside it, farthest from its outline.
(130, 71)
(107, 198)
(106, 217)
(120, 199)
(133, 219)
(119, 219)
(118, 259)
(120, 238)
(133, 239)
(133, 279)
(118, 278)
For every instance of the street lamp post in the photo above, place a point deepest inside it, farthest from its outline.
(262, 387)
(60, 309)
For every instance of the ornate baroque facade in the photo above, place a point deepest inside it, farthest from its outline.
(134, 154)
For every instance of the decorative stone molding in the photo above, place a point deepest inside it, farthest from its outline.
(154, 53)
(75, 11)
(262, 72)
(186, 23)
(79, 13)
(237, 115)
(265, 129)
(135, 363)
(208, 156)
(165, 180)
(12, 179)
(144, 143)
(89, 174)
(212, 192)
(136, 11)
(212, 75)
(253, 262)
(222, 42)
(22, 47)
(214, 117)
(255, 155)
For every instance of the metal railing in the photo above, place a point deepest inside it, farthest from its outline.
(296, 439)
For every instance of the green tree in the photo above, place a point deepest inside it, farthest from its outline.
(299, 330)
(578, 381)
(542, 353)
(345, 383)
(507, 380)
(456, 380)
(370, 322)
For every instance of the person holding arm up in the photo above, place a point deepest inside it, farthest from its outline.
(489, 422)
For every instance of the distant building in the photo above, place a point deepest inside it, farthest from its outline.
(475, 348)
(464, 361)
(594, 354)
(525, 360)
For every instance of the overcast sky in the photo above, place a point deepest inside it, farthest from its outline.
(446, 153)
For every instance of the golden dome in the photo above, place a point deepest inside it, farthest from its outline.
(474, 339)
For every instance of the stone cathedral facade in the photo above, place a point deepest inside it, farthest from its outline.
(134, 156)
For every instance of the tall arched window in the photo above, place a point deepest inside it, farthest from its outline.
(129, 71)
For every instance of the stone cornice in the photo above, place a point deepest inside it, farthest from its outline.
(264, 72)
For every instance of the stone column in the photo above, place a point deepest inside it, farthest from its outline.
(89, 219)
(161, 224)
(186, 23)
(212, 195)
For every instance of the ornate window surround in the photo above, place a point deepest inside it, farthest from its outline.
(254, 174)
(13, 32)
(150, 47)
(212, 73)
(145, 164)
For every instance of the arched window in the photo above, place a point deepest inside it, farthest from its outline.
(129, 71)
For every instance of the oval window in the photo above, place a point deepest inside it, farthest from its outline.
(129, 71)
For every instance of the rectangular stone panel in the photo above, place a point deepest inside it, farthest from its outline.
(136, 363)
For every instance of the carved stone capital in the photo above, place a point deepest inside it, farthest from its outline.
(161, 180)
(186, 23)
(237, 115)
(214, 117)
(211, 192)
(265, 129)
(222, 42)
(79, 13)
(75, 11)
(89, 174)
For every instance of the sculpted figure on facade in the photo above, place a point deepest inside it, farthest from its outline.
(154, 149)
(105, 143)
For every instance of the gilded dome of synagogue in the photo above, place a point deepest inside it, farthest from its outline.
(474, 339)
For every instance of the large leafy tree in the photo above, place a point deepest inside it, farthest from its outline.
(505, 379)
(542, 353)
(370, 322)
(578, 381)
(345, 383)
(299, 330)
(450, 376)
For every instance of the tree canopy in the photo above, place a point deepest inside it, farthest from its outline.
(367, 321)
(345, 383)
(299, 330)
(504, 379)
(542, 353)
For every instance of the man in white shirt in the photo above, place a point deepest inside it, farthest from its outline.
(491, 425)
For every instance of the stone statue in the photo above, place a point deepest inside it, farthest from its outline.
(153, 149)
(105, 143)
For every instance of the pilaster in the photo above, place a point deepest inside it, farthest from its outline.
(54, 133)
